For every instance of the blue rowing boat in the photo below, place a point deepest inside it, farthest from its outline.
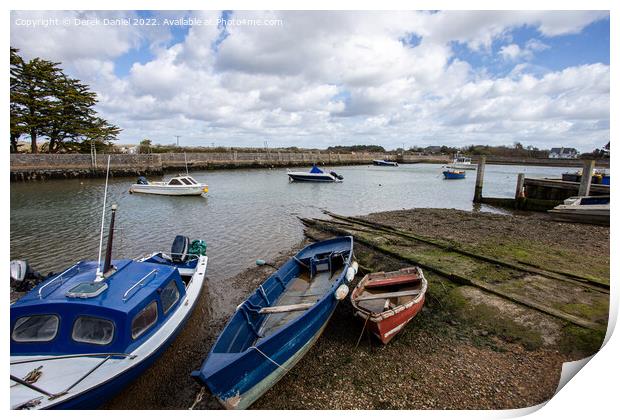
(454, 174)
(275, 327)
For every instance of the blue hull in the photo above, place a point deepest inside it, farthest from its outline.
(238, 378)
(96, 397)
(451, 175)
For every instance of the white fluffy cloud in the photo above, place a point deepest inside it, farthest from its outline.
(326, 78)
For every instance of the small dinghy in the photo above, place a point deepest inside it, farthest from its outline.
(79, 337)
(592, 210)
(316, 174)
(275, 327)
(388, 301)
(380, 162)
(454, 174)
(178, 185)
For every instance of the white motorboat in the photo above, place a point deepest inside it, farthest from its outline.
(462, 162)
(591, 209)
(315, 175)
(178, 185)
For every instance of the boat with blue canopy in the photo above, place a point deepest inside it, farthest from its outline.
(275, 327)
(79, 337)
(315, 174)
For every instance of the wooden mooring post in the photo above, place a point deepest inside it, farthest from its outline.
(479, 179)
(586, 178)
(519, 193)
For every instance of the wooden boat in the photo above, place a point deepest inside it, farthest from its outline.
(380, 162)
(591, 210)
(454, 174)
(178, 185)
(275, 327)
(80, 337)
(386, 302)
(315, 174)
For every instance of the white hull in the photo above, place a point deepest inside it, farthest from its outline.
(58, 375)
(311, 177)
(465, 166)
(164, 189)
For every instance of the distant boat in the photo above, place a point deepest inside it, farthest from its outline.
(591, 209)
(462, 162)
(178, 185)
(315, 174)
(454, 174)
(275, 327)
(379, 162)
(386, 302)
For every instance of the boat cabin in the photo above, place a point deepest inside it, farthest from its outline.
(182, 180)
(72, 314)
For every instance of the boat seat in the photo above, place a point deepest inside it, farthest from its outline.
(319, 265)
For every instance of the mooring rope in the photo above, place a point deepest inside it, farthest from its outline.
(362, 333)
(270, 359)
(198, 398)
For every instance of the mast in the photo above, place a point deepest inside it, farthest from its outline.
(99, 274)
(108, 253)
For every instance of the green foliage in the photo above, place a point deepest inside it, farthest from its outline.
(47, 103)
(361, 148)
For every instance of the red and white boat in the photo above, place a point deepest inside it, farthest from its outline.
(388, 301)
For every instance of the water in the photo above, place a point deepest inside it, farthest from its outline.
(247, 214)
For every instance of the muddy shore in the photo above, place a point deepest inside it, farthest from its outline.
(467, 349)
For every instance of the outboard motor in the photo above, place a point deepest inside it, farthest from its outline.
(335, 175)
(142, 181)
(180, 248)
(23, 277)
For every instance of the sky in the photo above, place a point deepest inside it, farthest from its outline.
(324, 78)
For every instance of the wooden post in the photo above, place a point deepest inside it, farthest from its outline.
(586, 178)
(479, 179)
(520, 182)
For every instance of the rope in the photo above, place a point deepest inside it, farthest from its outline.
(199, 397)
(270, 359)
(362, 333)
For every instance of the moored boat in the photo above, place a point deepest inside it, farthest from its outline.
(463, 162)
(79, 337)
(178, 185)
(315, 174)
(275, 327)
(386, 302)
(381, 162)
(453, 174)
(591, 210)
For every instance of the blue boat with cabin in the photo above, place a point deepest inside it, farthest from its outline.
(275, 327)
(79, 337)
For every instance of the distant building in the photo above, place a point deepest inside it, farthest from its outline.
(563, 153)
(431, 150)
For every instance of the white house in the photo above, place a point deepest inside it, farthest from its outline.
(563, 153)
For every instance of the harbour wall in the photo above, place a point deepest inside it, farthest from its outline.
(26, 167)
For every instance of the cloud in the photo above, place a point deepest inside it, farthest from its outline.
(322, 78)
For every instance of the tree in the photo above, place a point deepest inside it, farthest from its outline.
(45, 102)
(145, 146)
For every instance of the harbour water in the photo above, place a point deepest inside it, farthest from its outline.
(247, 214)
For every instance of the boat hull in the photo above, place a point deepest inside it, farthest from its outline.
(464, 166)
(104, 386)
(452, 175)
(386, 329)
(167, 190)
(308, 177)
(384, 163)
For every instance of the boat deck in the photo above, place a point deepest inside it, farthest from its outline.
(377, 306)
(300, 290)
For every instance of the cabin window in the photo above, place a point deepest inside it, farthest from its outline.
(192, 181)
(144, 320)
(169, 296)
(185, 181)
(35, 328)
(174, 182)
(87, 329)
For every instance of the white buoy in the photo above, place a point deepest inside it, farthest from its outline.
(341, 292)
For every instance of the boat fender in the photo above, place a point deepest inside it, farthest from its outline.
(350, 274)
(341, 292)
(355, 266)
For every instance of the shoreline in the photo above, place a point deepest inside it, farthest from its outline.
(497, 353)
